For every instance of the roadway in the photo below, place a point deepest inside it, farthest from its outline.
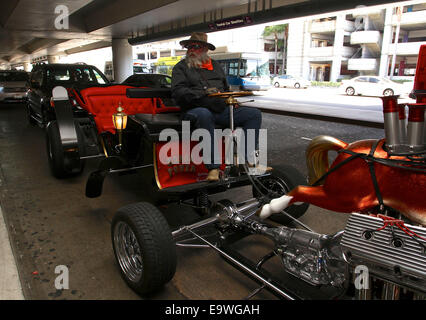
(326, 102)
(51, 223)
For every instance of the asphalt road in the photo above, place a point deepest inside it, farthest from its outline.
(327, 102)
(51, 223)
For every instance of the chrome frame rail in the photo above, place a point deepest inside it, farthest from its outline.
(246, 269)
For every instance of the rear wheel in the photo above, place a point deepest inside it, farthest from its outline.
(276, 84)
(350, 91)
(297, 85)
(282, 180)
(388, 92)
(56, 155)
(143, 247)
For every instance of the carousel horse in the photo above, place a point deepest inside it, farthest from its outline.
(371, 176)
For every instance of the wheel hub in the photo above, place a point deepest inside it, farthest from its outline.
(128, 251)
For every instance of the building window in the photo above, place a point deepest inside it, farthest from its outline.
(269, 47)
(167, 53)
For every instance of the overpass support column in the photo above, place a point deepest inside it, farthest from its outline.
(386, 40)
(122, 59)
(27, 66)
(52, 59)
(338, 48)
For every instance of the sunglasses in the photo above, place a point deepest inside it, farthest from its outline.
(194, 46)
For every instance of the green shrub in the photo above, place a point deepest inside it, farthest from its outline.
(324, 84)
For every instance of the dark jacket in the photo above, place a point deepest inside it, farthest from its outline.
(189, 86)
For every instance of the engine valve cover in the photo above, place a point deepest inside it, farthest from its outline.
(389, 254)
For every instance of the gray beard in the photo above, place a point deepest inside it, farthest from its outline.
(197, 61)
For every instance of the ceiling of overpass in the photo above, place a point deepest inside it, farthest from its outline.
(33, 28)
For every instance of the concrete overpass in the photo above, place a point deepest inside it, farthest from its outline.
(40, 30)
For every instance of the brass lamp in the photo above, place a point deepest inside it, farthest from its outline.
(119, 120)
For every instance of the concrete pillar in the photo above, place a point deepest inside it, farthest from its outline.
(307, 39)
(28, 66)
(339, 36)
(386, 40)
(122, 59)
(52, 59)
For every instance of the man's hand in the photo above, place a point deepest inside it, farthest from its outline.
(212, 90)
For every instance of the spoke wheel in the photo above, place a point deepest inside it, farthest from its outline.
(128, 251)
(143, 247)
(282, 180)
(388, 92)
(350, 91)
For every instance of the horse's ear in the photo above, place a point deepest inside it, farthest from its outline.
(317, 155)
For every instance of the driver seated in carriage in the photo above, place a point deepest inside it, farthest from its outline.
(193, 80)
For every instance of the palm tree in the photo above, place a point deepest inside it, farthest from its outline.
(276, 31)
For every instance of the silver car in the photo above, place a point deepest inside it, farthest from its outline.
(13, 85)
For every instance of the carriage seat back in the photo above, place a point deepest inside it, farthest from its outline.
(102, 103)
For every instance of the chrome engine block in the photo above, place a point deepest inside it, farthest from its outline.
(312, 257)
(388, 254)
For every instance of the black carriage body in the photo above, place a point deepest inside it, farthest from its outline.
(81, 138)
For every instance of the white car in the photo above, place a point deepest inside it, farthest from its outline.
(372, 86)
(290, 81)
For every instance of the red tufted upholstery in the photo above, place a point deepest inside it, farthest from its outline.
(102, 103)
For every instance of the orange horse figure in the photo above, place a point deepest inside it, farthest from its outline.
(371, 176)
(359, 180)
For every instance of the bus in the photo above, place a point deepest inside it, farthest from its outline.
(165, 65)
(245, 71)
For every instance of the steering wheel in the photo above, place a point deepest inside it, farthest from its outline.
(231, 94)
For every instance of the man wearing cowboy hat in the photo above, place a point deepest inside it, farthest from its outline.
(193, 79)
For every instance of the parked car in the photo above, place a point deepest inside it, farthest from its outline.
(372, 86)
(44, 77)
(290, 81)
(152, 80)
(13, 85)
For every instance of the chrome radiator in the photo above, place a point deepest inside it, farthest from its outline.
(389, 254)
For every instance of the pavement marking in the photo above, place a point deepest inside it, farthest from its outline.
(304, 138)
(10, 286)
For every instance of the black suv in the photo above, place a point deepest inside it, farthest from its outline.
(44, 77)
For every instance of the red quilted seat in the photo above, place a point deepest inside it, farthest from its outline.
(102, 103)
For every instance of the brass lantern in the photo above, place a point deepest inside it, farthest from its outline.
(119, 120)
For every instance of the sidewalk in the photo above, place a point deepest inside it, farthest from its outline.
(10, 286)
